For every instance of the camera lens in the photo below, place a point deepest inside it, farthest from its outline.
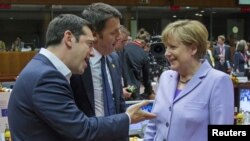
(157, 49)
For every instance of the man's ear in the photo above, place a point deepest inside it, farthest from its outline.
(68, 38)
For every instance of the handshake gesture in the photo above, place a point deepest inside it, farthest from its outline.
(136, 114)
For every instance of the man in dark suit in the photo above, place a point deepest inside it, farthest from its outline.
(136, 69)
(42, 107)
(91, 96)
(222, 55)
(118, 56)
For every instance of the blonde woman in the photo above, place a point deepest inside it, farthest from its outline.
(192, 94)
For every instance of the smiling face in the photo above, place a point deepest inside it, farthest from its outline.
(106, 40)
(179, 55)
(81, 51)
(186, 42)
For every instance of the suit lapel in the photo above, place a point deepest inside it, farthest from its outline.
(112, 71)
(195, 81)
(171, 87)
(218, 50)
(114, 76)
(88, 85)
(227, 53)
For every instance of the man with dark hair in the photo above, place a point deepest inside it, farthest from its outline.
(42, 107)
(101, 95)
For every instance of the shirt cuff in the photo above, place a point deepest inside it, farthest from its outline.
(128, 117)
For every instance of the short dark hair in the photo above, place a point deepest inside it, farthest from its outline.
(98, 13)
(60, 24)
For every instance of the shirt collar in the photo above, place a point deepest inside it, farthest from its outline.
(222, 46)
(96, 58)
(60, 66)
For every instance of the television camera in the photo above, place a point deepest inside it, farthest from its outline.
(158, 62)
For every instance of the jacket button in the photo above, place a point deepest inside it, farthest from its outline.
(169, 108)
(167, 124)
(164, 140)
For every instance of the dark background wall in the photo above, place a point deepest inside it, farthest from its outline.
(28, 30)
(30, 22)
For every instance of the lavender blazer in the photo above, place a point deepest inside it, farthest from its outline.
(208, 98)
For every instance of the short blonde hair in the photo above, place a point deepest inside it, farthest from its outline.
(188, 32)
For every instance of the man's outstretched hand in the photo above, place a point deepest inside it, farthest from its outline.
(137, 115)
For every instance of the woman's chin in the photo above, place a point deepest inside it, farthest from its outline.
(173, 67)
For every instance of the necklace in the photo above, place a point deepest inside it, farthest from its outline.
(184, 82)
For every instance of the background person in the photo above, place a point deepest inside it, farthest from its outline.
(222, 55)
(2, 46)
(192, 94)
(240, 57)
(209, 55)
(17, 45)
(136, 70)
(123, 39)
(44, 109)
(118, 55)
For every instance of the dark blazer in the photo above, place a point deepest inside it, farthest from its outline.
(239, 62)
(42, 108)
(216, 53)
(119, 57)
(137, 67)
(82, 86)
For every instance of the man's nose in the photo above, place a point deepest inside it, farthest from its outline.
(91, 52)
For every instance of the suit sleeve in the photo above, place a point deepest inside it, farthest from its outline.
(230, 54)
(53, 102)
(127, 74)
(221, 107)
(216, 54)
(117, 60)
(236, 60)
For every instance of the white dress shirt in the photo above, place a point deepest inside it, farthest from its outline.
(95, 65)
(60, 66)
